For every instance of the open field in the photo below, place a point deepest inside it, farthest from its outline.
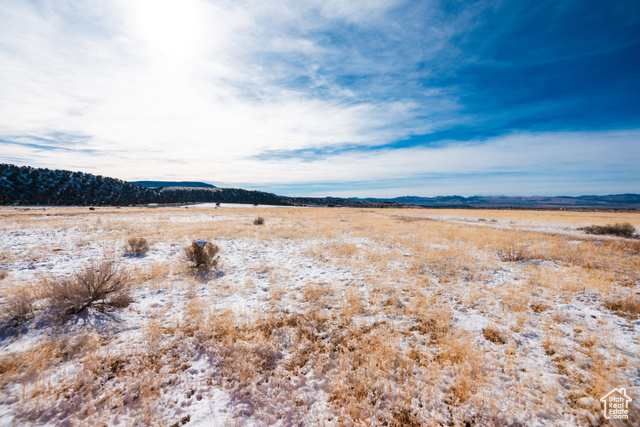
(321, 317)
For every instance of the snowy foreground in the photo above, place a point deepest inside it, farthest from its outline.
(321, 317)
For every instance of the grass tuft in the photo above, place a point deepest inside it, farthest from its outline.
(494, 335)
(538, 307)
(514, 252)
(19, 307)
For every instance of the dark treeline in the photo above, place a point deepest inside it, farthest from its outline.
(24, 185)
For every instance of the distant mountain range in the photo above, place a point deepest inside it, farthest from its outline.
(25, 185)
(188, 184)
(615, 201)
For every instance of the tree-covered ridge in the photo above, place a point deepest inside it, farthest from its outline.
(25, 185)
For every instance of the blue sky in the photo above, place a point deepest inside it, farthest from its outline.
(357, 98)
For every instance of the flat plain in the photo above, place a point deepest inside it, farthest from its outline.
(320, 316)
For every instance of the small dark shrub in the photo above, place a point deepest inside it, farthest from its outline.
(538, 307)
(258, 221)
(3, 274)
(137, 246)
(623, 229)
(99, 285)
(203, 254)
(494, 335)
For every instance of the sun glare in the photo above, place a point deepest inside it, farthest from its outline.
(169, 28)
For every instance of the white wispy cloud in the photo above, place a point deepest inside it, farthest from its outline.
(197, 89)
(549, 160)
(183, 80)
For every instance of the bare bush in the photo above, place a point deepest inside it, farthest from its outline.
(514, 252)
(623, 229)
(258, 221)
(100, 285)
(137, 246)
(203, 254)
(3, 274)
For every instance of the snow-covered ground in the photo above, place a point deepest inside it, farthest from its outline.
(319, 317)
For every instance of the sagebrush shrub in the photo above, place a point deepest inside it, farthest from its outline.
(203, 254)
(3, 274)
(623, 229)
(137, 246)
(258, 221)
(99, 285)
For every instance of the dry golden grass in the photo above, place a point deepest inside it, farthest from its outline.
(155, 273)
(534, 216)
(539, 307)
(514, 252)
(20, 305)
(315, 292)
(388, 342)
(626, 306)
